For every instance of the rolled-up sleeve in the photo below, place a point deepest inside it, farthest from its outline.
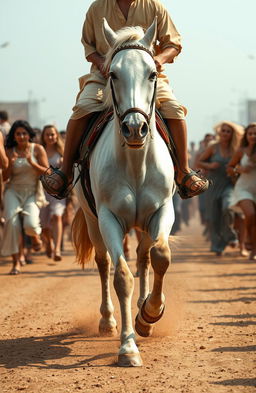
(168, 35)
(88, 36)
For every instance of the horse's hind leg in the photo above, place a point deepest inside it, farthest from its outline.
(107, 325)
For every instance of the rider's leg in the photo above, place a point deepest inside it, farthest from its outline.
(175, 113)
(178, 130)
(75, 130)
(89, 100)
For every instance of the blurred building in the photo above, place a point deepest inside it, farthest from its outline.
(23, 110)
(251, 111)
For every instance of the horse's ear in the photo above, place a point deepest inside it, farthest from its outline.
(109, 34)
(150, 35)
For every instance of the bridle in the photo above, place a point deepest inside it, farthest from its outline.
(121, 117)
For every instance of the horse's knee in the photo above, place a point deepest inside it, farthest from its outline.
(123, 279)
(160, 258)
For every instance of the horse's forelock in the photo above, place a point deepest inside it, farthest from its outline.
(127, 34)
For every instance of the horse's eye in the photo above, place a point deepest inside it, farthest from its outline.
(112, 75)
(152, 76)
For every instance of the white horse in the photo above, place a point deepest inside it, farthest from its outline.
(132, 180)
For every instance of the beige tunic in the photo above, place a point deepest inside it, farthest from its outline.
(141, 13)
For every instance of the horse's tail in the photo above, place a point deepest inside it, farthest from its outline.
(80, 237)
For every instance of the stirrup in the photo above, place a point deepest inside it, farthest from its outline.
(61, 192)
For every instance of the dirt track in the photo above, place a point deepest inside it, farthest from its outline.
(205, 342)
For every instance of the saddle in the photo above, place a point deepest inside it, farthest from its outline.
(96, 127)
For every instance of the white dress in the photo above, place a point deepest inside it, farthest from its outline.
(245, 187)
(20, 198)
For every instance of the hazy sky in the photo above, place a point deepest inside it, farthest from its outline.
(213, 76)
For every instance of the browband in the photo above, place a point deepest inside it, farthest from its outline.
(132, 46)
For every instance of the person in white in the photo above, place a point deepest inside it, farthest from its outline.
(22, 196)
(51, 215)
(243, 163)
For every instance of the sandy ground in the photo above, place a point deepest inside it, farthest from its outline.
(205, 342)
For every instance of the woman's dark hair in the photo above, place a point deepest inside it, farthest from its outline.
(10, 141)
(244, 141)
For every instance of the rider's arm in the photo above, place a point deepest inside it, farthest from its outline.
(167, 56)
(96, 59)
(168, 36)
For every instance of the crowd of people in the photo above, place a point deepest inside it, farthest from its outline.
(228, 208)
(32, 219)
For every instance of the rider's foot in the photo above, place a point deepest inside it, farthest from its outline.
(57, 182)
(190, 183)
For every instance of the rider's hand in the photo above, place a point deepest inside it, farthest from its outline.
(158, 63)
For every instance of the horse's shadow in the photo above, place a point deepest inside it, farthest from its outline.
(36, 352)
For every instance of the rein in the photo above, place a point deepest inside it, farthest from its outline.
(134, 109)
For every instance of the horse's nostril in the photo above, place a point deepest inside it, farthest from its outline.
(144, 130)
(125, 130)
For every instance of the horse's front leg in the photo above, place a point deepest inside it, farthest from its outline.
(153, 307)
(113, 235)
(143, 262)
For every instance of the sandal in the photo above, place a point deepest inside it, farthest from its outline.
(252, 256)
(186, 192)
(57, 257)
(58, 193)
(36, 243)
(14, 272)
(48, 249)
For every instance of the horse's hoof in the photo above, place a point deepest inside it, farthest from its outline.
(143, 330)
(148, 318)
(144, 322)
(108, 331)
(129, 360)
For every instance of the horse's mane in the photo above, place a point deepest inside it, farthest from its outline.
(130, 34)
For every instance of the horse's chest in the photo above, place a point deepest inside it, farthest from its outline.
(134, 208)
(146, 204)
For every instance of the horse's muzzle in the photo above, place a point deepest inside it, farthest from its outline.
(134, 133)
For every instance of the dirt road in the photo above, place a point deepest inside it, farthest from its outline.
(205, 342)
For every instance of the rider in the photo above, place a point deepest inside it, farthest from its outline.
(119, 14)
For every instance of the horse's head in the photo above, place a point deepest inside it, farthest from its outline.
(133, 75)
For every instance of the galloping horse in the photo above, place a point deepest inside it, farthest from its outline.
(132, 180)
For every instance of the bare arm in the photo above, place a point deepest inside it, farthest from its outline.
(3, 157)
(204, 157)
(42, 161)
(236, 158)
(234, 166)
(11, 156)
(98, 61)
(166, 56)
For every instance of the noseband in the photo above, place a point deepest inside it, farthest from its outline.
(134, 109)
